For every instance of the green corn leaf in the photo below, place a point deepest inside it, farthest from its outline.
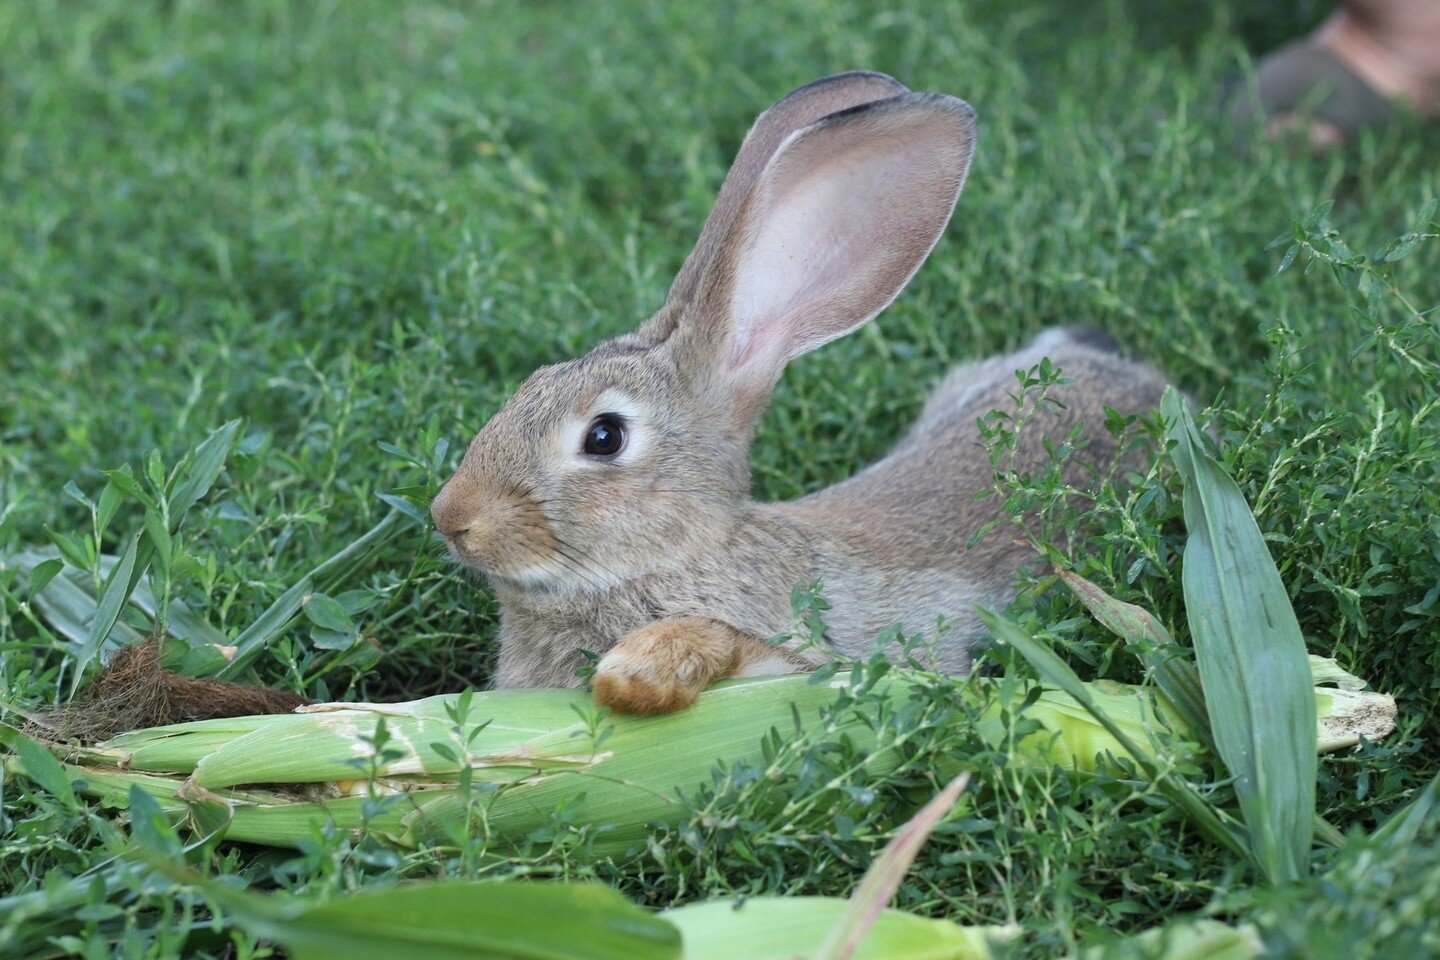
(1184, 940)
(520, 920)
(1179, 679)
(344, 565)
(264, 629)
(454, 920)
(1251, 656)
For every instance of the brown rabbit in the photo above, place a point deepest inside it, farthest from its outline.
(608, 502)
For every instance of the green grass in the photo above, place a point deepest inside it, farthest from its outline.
(354, 224)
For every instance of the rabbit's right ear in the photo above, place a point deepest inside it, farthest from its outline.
(838, 220)
(795, 110)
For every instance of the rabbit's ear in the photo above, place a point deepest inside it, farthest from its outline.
(839, 219)
(798, 109)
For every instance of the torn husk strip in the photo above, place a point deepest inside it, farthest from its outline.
(536, 750)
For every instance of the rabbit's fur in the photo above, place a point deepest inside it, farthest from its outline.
(657, 558)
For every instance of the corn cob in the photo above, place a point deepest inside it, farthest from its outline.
(534, 750)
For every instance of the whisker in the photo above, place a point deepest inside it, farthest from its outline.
(576, 564)
(562, 569)
(580, 564)
(579, 556)
(551, 563)
(567, 558)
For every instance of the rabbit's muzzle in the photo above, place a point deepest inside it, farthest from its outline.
(497, 531)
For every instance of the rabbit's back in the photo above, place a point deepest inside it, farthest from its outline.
(891, 544)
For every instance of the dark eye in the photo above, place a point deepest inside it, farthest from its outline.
(606, 436)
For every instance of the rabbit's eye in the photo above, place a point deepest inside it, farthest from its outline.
(606, 436)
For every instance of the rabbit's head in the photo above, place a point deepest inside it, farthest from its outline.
(605, 468)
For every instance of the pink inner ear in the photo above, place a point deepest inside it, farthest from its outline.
(761, 342)
(807, 233)
(839, 222)
(800, 254)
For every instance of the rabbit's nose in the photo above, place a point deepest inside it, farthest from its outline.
(455, 506)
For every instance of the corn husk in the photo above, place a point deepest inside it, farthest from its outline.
(531, 753)
(1184, 940)
(781, 928)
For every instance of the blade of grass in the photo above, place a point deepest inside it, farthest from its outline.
(1251, 655)
(1404, 825)
(1055, 671)
(181, 621)
(279, 616)
(41, 766)
(112, 599)
(68, 601)
(205, 464)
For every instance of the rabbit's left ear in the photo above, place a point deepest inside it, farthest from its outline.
(839, 220)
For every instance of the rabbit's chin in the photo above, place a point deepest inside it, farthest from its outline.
(549, 577)
(531, 570)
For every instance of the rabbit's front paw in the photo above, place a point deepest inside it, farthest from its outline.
(663, 666)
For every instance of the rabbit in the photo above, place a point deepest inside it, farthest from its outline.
(607, 502)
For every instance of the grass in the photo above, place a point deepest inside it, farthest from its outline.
(357, 227)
